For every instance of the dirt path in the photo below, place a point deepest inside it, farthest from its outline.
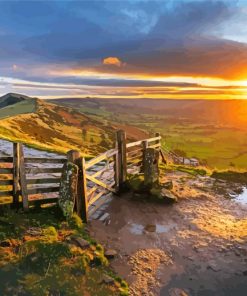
(195, 247)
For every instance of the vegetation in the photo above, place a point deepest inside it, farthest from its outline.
(38, 256)
(231, 176)
(198, 129)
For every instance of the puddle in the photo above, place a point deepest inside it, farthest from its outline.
(242, 197)
(157, 228)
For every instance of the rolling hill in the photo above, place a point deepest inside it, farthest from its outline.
(47, 126)
(214, 131)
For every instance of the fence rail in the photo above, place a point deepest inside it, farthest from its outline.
(30, 180)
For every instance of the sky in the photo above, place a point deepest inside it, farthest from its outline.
(124, 49)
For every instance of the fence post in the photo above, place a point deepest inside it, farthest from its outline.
(16, 174)
(116, 170)
(81, 205)
(23, 181)
(151, 168)
(121, 145)
(144, 147)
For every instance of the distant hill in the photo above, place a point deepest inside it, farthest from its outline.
(44, 125)
(217, 111)
(11, 98)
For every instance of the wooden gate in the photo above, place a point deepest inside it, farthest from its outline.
(101, 178)
(29, 180)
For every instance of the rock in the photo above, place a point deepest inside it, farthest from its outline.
(106, 279)
(245, 273)
(5, 243)
(168, 195)
(213, 267)
(80, 242)
(68, 188)
(110, 253)
(150, 227)
(167, 185)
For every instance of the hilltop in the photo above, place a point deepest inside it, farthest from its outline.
(44, 125)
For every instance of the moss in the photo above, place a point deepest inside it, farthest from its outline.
(45, 264)
(136, 182)
(231, 176)
(75, 222)
(50, 233)
(37, 255)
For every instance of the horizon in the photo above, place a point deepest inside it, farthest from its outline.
(124, 49)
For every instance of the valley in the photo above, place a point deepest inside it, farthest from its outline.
(215, 132)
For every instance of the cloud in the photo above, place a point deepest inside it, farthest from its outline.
(113, 61)
(148, 38)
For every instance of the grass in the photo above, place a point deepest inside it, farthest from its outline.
(231, 176)
(54, 128)
(26, 106)
(38, 258)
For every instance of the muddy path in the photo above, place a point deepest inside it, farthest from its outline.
(197, 246)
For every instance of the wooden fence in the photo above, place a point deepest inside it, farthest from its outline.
(29, 180)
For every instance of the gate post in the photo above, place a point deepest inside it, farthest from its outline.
(151, 167)
(16, 174)
(122, 162)
(81, 205)
(144, 147)
(23, 181)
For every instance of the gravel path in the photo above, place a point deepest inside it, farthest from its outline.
(195, 247)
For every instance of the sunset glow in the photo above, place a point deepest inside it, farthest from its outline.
(140, 49)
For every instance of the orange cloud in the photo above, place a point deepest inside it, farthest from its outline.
(113, 61)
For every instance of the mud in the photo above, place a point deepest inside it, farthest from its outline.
(196, 247)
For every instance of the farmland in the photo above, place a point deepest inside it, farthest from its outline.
(211, 136)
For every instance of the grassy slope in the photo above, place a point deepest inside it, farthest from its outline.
(55, 128)
(27, 106)
(38, 258)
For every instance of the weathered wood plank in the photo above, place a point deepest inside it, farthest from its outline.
(100, 183)
(93, 209)
(106, 155)
(96, 197)
(43, 201)
(42, 190)
(6, 159)
(133, 152)
(132, 144)
(45, 160)
(100, 172)
(138, 156)
(23, 182)
(135, 165)
(6, 193)
(6, 182)
(82, 190)
(158, 145)
(6, 171)
(16, 174)
(92, 190)
(43, 181)
(43, 170)
(116, 172)
(122, 159)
